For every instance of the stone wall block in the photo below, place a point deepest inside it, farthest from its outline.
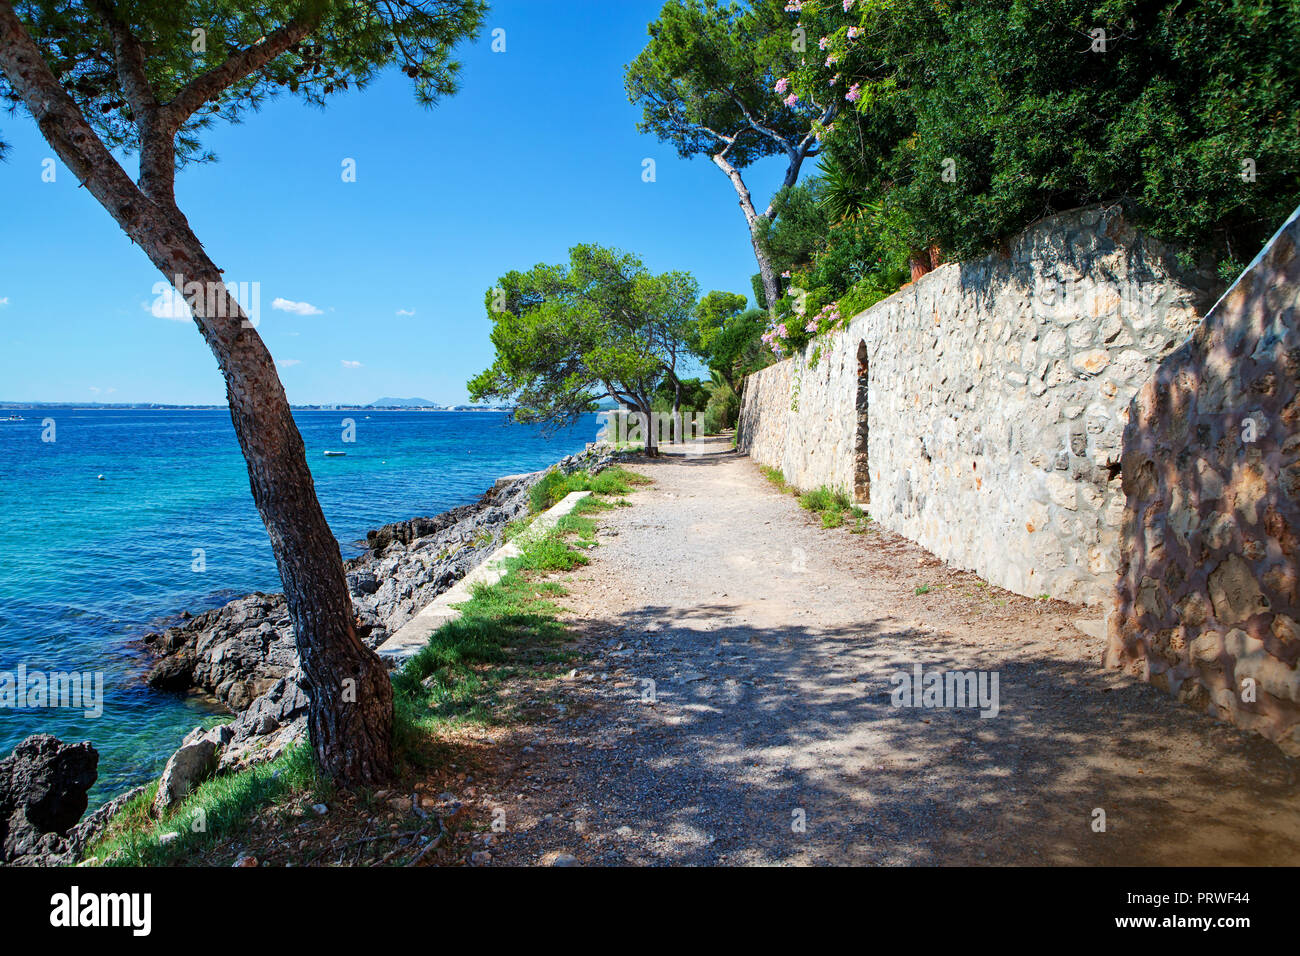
(1224, 466)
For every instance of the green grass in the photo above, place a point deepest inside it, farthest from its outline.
(514, 528)
(506, 630)
(822, 499)
(776, 477)
(551, 488)
(834, 506)
(214, 813)
(580, 526)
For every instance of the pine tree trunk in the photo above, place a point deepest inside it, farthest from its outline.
(677, 411)
(350, 713)
(350, 696)
(771, 288)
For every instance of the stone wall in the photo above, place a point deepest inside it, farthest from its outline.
(979, 410)
(1207, 604)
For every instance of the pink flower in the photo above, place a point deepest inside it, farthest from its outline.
(847, 5)
(854, 94)
(834, 78)
(831, 61)
(823, 43)
(854, 33)
(792, 99)
(782, 84)
(811, 326)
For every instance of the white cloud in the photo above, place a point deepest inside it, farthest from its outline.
(399, 311)
(347, 364)
(5, 301)
(288, 363)
(297, 308)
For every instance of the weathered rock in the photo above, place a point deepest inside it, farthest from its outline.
(270, 725)
(89, 829)
(175, 673)
(189, 766)
(43, 787)
(1235, 592)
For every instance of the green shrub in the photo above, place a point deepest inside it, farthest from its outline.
(550, 489)
(1190, 116)
(822, 499)
(723, 409)
(833, 505)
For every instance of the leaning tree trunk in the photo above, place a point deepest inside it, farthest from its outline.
(771, 288)
(350, 712)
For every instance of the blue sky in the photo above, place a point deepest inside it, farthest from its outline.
(539, 151)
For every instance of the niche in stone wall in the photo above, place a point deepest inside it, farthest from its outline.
(861, 463)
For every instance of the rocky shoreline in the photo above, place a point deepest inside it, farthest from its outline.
(243, 655)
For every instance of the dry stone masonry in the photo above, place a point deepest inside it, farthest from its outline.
(1207, 605)
(979, 411)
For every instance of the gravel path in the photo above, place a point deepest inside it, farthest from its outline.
(771, 642)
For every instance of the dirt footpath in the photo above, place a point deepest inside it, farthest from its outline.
(769, 736)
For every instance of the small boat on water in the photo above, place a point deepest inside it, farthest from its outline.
(14, 418)
(336, 454)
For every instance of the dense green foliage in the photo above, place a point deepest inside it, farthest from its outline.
(967, 120)
(350, 42)
(727, 337)
(1031, 110)
(713, 80)
(709, 73)
(568, 335)
(551, 488)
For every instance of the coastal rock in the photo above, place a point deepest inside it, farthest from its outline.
(244, 654)
(174, 673)
(273, 722)
(90, 829)
(234, 652)
(43, 787)
(189, 766)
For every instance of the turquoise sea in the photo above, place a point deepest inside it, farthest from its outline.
(88, 565)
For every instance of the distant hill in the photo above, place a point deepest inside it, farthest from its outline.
(403, 403)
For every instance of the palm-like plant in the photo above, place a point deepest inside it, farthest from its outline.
(845, 195)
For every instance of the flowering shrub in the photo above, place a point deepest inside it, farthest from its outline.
(977, 118)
